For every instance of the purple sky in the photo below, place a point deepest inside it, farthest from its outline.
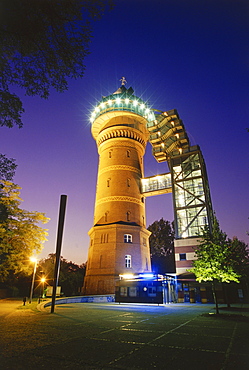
(188, 55)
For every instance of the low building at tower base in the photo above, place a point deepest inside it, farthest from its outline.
(146, 288)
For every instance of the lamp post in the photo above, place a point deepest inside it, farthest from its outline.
(34, 260)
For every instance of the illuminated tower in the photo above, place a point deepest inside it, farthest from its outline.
(119, 241)
(189, 184)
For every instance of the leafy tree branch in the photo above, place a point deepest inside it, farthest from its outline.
(42, 44)
(20, 232)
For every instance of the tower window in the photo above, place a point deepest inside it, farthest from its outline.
(182, 256)
(128, 261)
(128, 182)
(104, 238)
(108, 182)
(128, 216)
(127, 238)
(110, 154)
(128, 153)
(143, 220)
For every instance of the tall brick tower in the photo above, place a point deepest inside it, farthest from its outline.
(119, 240)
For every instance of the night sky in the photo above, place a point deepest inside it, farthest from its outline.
(187, 55)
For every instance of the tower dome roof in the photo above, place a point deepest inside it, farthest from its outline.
(122, 100)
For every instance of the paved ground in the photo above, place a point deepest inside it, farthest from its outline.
(113, 336)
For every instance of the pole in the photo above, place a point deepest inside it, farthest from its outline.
(63, 202)
(33, 282)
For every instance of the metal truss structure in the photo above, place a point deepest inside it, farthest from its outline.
(189, 181)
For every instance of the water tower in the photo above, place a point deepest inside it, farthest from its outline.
(119, 240)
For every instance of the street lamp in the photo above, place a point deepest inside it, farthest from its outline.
(34, 260)
(43, 279)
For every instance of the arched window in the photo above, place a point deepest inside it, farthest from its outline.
(106, 216)
(128, 216)
(108, 182)
(110, 153)
(128, 182)
(128, 153)
(128, 261)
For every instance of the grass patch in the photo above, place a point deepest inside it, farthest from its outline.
(29, 306)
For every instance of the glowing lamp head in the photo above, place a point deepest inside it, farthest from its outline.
(147, 275)
(127, 276)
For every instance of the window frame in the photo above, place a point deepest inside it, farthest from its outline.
(128, 261)
(181, 257)
(127, 238)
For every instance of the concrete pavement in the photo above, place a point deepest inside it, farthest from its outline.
(113, 336)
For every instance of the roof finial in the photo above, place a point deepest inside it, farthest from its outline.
(123, 81)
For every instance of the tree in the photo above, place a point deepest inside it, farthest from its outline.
(162, 246)
(42, 43)
(7, 167)
(71, 275)
(214, 259)
(239, 256)
(20, 233)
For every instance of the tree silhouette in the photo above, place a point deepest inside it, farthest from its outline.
(42, 43)
(162, 246)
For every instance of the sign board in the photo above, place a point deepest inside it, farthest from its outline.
(50, 291)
